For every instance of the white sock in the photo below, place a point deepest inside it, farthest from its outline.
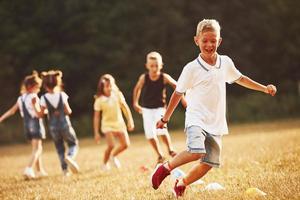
(180, 183)
(166, 165)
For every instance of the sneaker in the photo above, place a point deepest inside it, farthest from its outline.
(159, 174)
(105, 167)
(72, 164)
(41, 174)
(115, 162)
(66, 173)
(178, 189)
(29, 173)
(160, 159)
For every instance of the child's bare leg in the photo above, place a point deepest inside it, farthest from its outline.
(110, 145)
(154, 143)
(39, 164)
(167, 141)
(36, 151)
(183, 158)
(124, 143)
(197, 172)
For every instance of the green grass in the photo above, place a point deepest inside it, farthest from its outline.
(263, 155)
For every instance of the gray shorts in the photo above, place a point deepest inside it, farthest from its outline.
(199, 141)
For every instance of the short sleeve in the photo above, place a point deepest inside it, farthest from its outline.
(97, 104)
(232, 74)
(121, 97)
(185, 80)
(65, 97)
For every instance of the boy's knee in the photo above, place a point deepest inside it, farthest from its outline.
(110, 147)
(197, 156)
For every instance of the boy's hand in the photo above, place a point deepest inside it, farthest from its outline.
(161, 124)
(137, 108)
(97, 137)
(271, 89)
(130, 126)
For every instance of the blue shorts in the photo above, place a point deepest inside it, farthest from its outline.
(199, 141)
(34, 129)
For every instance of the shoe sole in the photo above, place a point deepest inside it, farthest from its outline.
(74, 168)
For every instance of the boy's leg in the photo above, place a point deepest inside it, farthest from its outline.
(197, 172)
(196, 150)
(213, 146)
(155, 145)
(149, 122)
(183, 158)
(167, 141)
(163, 133)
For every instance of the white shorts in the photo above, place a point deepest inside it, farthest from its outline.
(150, 117)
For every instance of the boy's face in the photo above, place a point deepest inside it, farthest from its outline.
(153, 66)
(208, 42)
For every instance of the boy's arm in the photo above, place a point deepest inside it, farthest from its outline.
(96, 125)
(137, 92)
(10, 112)
(174, 100)
(251, 84)
(126, 110)
(169, 80)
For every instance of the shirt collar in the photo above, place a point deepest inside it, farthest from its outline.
(207, 66)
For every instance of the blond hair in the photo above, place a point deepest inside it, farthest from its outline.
(155, 55)
(30, 81)
(208, 25)
(112, 82)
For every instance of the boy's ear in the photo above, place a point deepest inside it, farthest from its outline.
(196, 40)
(220, 41)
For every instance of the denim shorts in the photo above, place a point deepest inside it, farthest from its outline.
(34, 129)
(199, 141)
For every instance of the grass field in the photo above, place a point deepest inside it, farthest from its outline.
(264, 155)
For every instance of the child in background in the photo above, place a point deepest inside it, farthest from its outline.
(203, 80)
(151, 87)
(28, 104)
(55, 100)
(109, 105)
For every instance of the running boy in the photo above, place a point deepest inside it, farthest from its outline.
(151, 87)
(203, 80)
(60, 128)
(28, 104)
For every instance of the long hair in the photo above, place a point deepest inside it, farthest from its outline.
(100, 87)
(112, 81)
(30, 81)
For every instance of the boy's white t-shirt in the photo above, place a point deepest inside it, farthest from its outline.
(27, 98)
(205, 90)
(53, 98)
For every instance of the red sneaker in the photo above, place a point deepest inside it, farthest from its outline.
(179, 190)
(159, 174)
